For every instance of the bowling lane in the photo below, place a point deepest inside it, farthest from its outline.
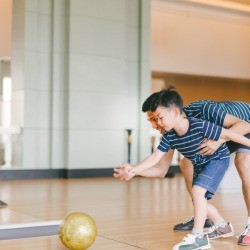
(9, 216)
(53, 243)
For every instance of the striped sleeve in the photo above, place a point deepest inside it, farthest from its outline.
(164, 145)
(211, 130)
(213, 113)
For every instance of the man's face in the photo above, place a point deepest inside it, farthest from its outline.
(154, 122)
(165, 117)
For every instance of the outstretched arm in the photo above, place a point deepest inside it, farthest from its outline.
(161, 168)
(157, 171)
(147, 163)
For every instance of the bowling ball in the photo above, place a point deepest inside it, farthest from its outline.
(77, 231)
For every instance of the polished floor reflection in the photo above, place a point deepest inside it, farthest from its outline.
(139, 214)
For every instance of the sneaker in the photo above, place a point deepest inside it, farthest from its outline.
(189, 224)
(244, 237)
(192, 242)
(218, 232)
(3, 204)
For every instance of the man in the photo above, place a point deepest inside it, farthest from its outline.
(233, 115)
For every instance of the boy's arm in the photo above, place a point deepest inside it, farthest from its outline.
(147, 163)
(161, 168)
(234, 124)
(157, 171)
(230, 135)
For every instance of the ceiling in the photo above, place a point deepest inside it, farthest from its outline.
(240, 1)
(236, 5)
(247, 2)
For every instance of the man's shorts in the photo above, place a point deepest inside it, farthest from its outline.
(209, 176)
(238, 148)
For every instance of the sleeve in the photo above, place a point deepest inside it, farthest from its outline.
(164, 145)
(211, 130)
(213, 113)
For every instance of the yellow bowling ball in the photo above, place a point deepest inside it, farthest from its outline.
(77, 231)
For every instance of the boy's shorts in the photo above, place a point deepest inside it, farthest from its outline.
(209, 176)
(238, 148)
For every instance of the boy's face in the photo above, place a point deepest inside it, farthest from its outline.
(154, 122)
(165, 117)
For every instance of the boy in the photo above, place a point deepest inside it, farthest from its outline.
(236, 116)
(225, 114)
(185, 135)
(232, 114)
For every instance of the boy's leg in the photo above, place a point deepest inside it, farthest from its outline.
(200, 207)
(206, 180)
(209, 177)
(213, 214)
(187, 170)
(196, 240)
(221, 227)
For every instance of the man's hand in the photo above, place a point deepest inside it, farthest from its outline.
(208, 147)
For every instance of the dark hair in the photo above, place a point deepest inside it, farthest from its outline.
(147, 103)
(167, 98)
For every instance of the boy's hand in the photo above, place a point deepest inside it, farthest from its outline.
(124, 172)
(119, 173)
(128, 171)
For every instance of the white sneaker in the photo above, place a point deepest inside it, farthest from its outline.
(192, 242)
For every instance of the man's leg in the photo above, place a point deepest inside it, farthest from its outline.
(242, 163)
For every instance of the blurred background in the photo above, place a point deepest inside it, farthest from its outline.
(74, 74)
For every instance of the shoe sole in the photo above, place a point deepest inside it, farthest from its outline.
(201, 248)
(205, 229)
(204, 247)
(243, 244)
(222, 236)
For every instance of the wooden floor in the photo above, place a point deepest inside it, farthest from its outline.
(139, 214)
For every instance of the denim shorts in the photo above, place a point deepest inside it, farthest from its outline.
(209, 175)
(238, 148)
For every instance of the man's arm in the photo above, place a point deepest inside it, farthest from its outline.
(236, 125)
(233, 124)
(230, 135)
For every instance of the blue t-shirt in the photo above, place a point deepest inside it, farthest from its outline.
(215, 112)
(188, 143)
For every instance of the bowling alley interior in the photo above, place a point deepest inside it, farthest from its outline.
(74, 75)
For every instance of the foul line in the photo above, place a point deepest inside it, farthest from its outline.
(122, 242)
